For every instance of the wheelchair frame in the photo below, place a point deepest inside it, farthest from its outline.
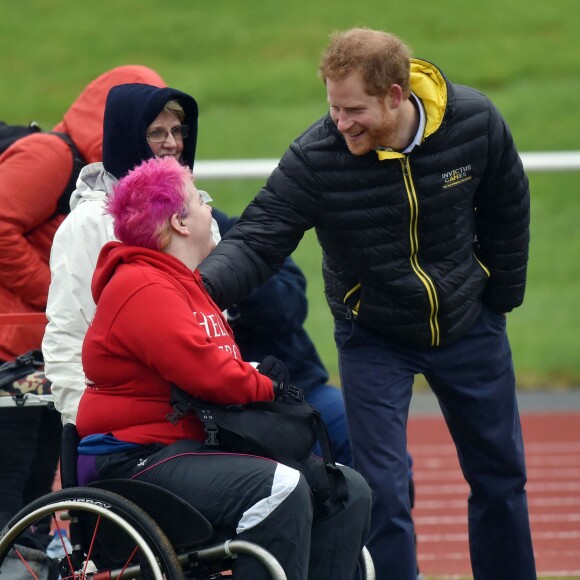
(128, 529)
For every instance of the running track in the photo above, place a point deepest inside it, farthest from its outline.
(553, 459)
(552, 444)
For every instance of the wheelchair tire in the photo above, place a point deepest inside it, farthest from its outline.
(109, 534)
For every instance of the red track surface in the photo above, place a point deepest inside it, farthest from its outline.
(553, 460)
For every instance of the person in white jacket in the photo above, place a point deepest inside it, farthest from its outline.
(141, 121)
(70, 305)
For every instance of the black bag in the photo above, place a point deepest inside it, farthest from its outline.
(9, 134)
(285, 430)
(23, 376)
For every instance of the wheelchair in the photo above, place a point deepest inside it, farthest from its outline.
(126, 529)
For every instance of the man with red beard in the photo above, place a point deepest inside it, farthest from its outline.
(420, 203)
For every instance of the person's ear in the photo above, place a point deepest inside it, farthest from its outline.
(394, 96)
(177, 225)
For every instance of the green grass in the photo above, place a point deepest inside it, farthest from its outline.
(252, 67)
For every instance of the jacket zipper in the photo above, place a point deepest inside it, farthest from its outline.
(414, 239)
(483, 267)
(352, 312)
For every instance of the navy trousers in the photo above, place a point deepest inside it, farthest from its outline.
(474, 382)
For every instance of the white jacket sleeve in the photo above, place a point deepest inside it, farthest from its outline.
(70, 306)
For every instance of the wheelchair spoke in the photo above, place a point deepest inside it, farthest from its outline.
(128, 562)
(91, 546)
(23, 560)
(96, 534)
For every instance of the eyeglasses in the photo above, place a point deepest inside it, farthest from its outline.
(160, 135)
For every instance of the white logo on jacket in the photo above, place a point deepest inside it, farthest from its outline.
(456, 176)
(214, 326)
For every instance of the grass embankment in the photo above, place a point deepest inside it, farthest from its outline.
(252, 67)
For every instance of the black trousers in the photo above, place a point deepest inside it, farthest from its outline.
(261, 501)
(29, 453)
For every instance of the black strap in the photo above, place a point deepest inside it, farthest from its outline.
(63, 205)
(329, 479)
(336, 480)
(205, 415)
(9, 134)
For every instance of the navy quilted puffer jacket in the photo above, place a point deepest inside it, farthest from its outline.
(413, 245)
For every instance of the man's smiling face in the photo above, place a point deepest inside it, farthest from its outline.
(365, 121)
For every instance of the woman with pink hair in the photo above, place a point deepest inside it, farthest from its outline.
(154, 326)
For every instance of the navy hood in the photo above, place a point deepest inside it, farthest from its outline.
(129, 110)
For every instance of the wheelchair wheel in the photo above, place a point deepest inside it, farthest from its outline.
(110, 537)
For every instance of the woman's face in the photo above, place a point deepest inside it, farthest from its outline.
(166, 122)
(198, 222)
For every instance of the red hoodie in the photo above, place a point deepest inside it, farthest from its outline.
(156, 325)
(33, 174)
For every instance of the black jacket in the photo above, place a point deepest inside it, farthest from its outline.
(270, 321)
(413, 245)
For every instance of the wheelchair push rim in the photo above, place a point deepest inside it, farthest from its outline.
(100, 522)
